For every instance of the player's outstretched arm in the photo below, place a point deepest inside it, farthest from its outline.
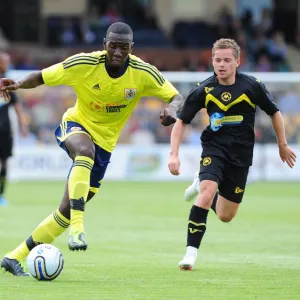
(168, 115)
(30, 81)
(176, 137)
(286, 154)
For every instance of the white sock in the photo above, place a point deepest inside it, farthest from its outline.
(191, 250)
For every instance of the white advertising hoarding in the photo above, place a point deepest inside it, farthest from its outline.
(140, 163)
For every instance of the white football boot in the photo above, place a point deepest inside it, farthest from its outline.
(192, 191)
(189, 259)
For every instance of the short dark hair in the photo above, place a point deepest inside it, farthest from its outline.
(120, 28)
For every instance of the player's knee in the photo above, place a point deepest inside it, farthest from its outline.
(226, 217)
(88, 151)
(207, 193)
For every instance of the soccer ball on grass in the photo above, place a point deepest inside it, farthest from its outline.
(45, 262)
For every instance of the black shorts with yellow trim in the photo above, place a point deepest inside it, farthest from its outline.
(102, 157)
(230, 179)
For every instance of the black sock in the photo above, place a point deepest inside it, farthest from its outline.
(196, 226)
(214, 204)
(2, 180)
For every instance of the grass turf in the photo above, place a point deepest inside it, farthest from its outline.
(137, 232)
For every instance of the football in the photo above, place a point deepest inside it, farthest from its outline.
(45, 262)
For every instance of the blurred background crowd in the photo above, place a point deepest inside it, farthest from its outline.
(262, 40)
(266, 31)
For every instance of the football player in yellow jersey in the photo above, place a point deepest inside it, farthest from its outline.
(108, 85)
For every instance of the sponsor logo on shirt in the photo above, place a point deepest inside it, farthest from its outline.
(109, 107)
(217, 120)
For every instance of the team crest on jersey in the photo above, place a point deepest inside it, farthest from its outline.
(206, 161)
(226, 96)
(129, 93)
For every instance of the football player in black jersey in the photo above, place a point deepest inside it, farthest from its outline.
(6, 137)
(230, 98)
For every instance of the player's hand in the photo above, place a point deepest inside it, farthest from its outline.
(7, 85)
(24, 130)
(174, 165)
(168, 116)
(287, 155)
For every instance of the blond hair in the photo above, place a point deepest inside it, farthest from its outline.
(227, 44)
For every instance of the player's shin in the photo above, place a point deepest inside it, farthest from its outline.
(195, 233)
(49, 229)
(196, 226)
(79, 184)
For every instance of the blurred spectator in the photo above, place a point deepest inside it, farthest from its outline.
(45, 107)
(25, 63)
(248, 23)
(266, 21)
(259, 47)
(193, 64)
(264, 49)
(150, 17)
(277, 48)
(225, 26)
(263, 64)
(111, 15)
(68, 35)
(245, 65)
(255, 40)
(4, 43)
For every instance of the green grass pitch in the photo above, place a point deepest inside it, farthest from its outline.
(137, 232)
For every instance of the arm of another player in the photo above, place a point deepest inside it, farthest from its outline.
(30, 81)
(266, 103)
(168, 115)
(157, 85)
(21, 119)
(286, 154)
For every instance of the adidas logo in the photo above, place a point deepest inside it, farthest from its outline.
(97, 87)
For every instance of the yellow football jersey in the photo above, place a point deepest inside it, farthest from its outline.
(104, 104)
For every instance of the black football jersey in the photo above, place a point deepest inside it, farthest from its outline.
(231, 110)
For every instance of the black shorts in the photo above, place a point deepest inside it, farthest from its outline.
(6, 144)
(231, 179)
